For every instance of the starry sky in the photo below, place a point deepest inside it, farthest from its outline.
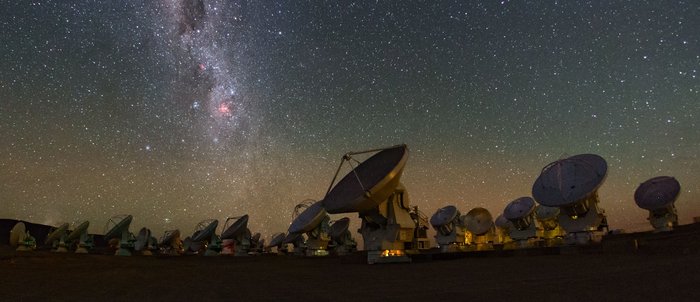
(181, 111)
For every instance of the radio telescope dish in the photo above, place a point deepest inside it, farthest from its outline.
(657, 193)
(309, 219)
(142, 239)
(479, 221)
(444, 216)
(120, 226)
(120, 230)
(519, 208)
(205, 229)
(57, 234)
(276, 240)
(17, 234)
(338, 228)
(565, 182)
(236, 228)
(368, 184)
(78, 231)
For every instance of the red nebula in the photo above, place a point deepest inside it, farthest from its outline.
(225, 108)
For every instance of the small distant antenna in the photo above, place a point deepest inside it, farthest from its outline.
(171, 244)
(118, 228)
(658, 196)
(238, 233)
(205, 232)
(451, 230)
(57, 238)
(80, 234)
(20, 238)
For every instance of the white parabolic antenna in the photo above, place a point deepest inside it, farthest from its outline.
(204, 230)
(369, 184)
(657, 193)
(309, 219)
(444, 216)
(78, 231)
(56, 234)
(479, 221)
(120, 225)
(235, 229)
(276, 239)
(142, 239)
(565, 182)
(338, 228)
(17, 234)
(519, 208)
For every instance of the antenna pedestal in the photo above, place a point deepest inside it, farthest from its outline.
(317, 247)
(214, 246)
(527, 238)
(344, 248)
(388, 230)
(318, 239)
(85, 244)
(125, 244)
(663, 220)
(481, 242)
(453, 242)
(242, 247)
(81, 250)
(584, 228)
(27, 244)
(61, 247)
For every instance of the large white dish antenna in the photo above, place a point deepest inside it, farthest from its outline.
(236, 228)
(17, 234)
(56, 234)
(120, 225)
(309, 219)
(368, 184)
(657, 193)
(78, 231)
(204, 230)
(444, 216)
(276, 240)
(519, 208)
(479, 221)
(565, 182)
(338, 228)
(142, 239)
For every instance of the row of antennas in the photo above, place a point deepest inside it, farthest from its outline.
(564, 211)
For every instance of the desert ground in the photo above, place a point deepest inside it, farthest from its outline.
(624, 267)
(618, 274)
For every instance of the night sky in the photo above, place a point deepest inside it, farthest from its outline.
(176, 112)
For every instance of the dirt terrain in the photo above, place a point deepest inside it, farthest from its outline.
(640, 276)
(624, 267)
